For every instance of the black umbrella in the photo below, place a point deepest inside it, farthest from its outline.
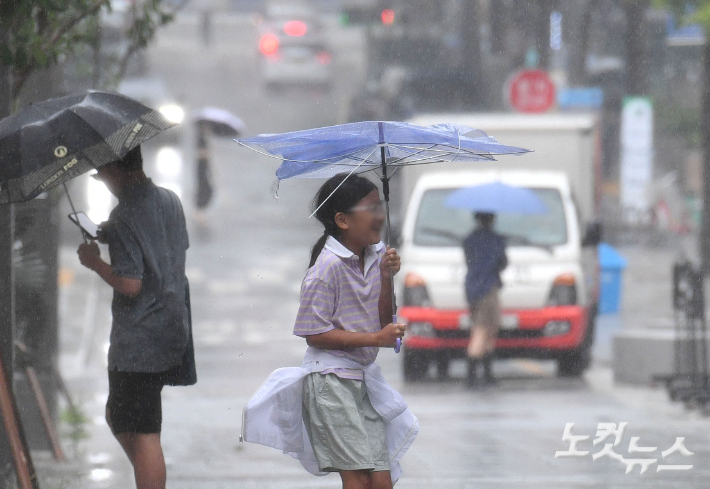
(51, 142)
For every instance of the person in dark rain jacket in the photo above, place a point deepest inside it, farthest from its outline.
(486, 259)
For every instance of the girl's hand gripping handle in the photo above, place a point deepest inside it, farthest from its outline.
(391, 335)
(398, 346)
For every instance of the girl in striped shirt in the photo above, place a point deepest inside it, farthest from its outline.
(346, 309)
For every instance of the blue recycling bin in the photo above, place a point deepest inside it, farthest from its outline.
(612, 265)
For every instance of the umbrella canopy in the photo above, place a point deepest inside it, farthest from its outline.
(220, 122)
(366, 146)
(495, 198)
(51, 142)
(374, 146)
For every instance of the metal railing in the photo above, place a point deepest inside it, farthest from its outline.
(689, 382)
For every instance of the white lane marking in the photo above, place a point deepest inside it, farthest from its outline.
(211, 333)
(254, 338)
(225, 287)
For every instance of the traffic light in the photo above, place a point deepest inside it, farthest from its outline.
(366, 12)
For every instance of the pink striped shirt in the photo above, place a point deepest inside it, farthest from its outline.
(336, 294)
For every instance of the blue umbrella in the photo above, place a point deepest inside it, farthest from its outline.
(376, 146)
(383, 147)
(327, 151)
(495, 198)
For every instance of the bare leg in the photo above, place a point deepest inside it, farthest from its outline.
(381, 480)
(123, 438)
(149, 464)
(146, 455)
(477, 343)
(356, 479)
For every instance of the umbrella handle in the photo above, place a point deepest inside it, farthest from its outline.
(398, 346)
(386, 192)
(71, 203)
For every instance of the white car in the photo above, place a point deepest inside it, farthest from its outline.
(292, 47)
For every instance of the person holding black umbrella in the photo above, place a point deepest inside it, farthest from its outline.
(47, 144)
(484, 250)
(150, 335)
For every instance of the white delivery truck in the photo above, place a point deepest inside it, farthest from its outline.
(550, 287)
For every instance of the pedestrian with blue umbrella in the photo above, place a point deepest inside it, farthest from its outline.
(484, 250)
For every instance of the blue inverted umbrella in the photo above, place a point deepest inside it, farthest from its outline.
(495, 198)
(366, 146)
(381, 147)
(377, 146)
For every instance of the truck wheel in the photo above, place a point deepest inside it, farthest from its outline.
(415, 364)
(573, 364)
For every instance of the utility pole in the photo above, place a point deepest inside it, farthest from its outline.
(704, 126)
(471, 27)
(636, 46)
(543, 10)
(7, 289)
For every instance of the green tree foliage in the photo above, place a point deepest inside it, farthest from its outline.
(39, 33)
(698, 12)
(689, 11)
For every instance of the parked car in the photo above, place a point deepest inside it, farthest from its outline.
(292, 47)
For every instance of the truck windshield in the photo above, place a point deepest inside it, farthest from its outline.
(439, 225)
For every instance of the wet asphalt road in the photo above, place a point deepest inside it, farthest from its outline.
(245, 265)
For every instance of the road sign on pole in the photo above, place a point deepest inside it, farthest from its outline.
(580, 98)
(636, 157)
(531, 91)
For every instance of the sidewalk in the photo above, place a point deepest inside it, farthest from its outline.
(95, 458)
(642, 339)
(647, 288)
(645, 298)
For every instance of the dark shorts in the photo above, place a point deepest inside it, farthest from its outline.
(134, 404)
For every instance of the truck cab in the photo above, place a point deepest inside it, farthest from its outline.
(550, 287)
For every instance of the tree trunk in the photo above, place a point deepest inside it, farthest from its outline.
(705, 131)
